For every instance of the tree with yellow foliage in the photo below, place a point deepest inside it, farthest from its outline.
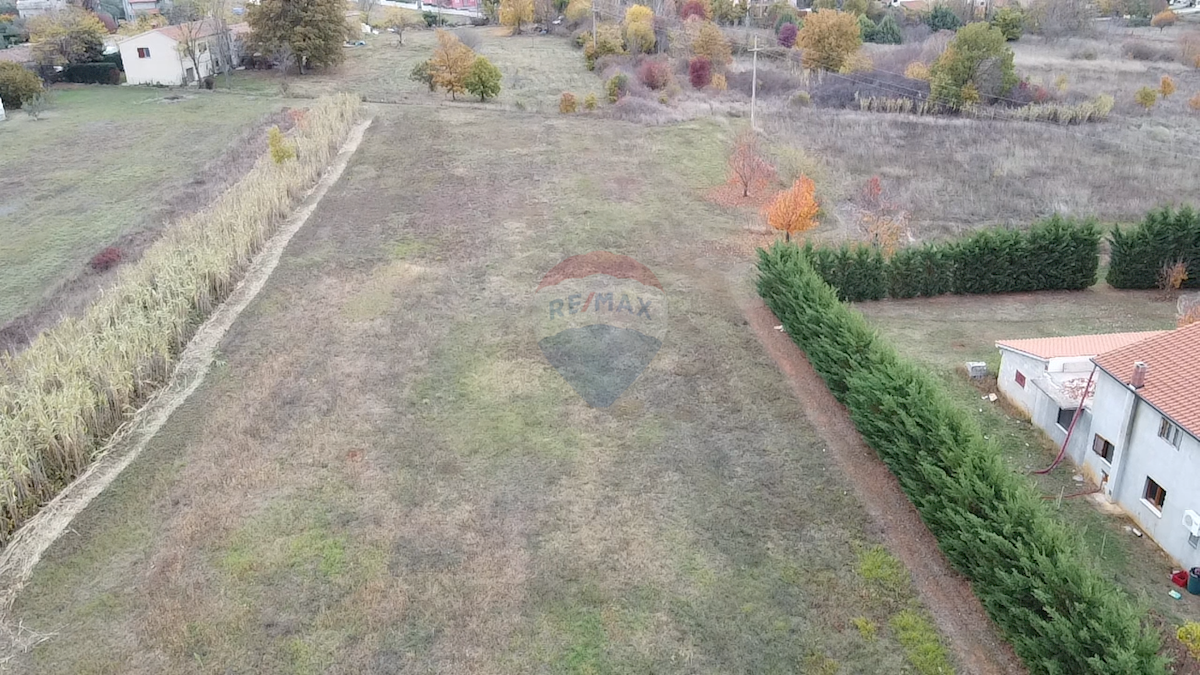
(639, 29)
(829, 38)
(710, 43)
(578, 10)
(795, 209)
(451, 62)
(516, 12)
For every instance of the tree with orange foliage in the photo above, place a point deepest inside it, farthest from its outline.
(746, 165)
(795, 209)
(1166, 86)
(451, 62)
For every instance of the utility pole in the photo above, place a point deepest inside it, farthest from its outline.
(594, 27)
(754, 83)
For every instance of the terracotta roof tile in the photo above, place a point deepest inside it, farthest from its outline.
(1076, 345)
(1173, 379)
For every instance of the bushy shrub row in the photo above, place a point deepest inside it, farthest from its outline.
(1162, 238)
(1055, 254)
(92, 73)
(1060, 615)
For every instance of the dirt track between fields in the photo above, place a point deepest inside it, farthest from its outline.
(973, 637)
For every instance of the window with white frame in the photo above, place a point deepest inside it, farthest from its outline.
(1170, 432)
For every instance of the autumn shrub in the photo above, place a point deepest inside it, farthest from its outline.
(1164, 19)
(1189, 635)
(1146, 97)
(18, 84)
(795, 209)
(1010, 21)
(639, 29)
(917, 71)
(567, 103)
(76, 384)
(483, 79)
(1028, 569)
(654, 74)
(978, 55)
(589, 101)
(617, 87)
(787, 35)
(700, 72)
(718, 82)
(695, 9)
(1166, 86)
(1163, 236)
(106, 259)
(711, 43)
(608, 40)
(828, 38)
(281, 149)
(1194, 102)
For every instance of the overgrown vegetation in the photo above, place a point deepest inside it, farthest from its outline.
(1060, 615)
(18, 85)
(69, 391)
(1164, 236)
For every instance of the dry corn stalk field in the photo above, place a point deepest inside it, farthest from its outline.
(64, 396)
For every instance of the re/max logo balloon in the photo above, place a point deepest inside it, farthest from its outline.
(601, 319)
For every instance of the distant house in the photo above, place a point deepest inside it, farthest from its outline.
(28, 8)
(156, 57)
(1144, 441)
(135, 7)
(1138, 433)
(1046, 377)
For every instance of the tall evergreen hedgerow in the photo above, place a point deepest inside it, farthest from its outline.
(1163, 237)
(1059, 613)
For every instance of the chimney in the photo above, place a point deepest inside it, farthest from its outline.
(1139, 374)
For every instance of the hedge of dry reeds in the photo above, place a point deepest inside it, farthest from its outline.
(65, 396)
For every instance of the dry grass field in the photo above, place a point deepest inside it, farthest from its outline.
(105, 165)
(382, 474)
(411, 488)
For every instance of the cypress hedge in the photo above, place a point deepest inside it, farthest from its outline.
(92, 73)
(1163, 237)
(1055, 254)
(1059, 613)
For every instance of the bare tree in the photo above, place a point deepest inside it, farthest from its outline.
(192, 44)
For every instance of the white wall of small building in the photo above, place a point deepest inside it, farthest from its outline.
(1139, 453)
(165, 65)
(1024, 397)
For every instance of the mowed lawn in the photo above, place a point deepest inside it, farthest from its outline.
(382, 474)
(944, 333)
(101, 163)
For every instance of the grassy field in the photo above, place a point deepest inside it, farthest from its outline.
(103, 162)
(411, 488)
(380, 70)
(946, 332)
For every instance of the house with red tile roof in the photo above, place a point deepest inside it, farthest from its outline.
(1047, 377)
(1144, 437)
(180, 54)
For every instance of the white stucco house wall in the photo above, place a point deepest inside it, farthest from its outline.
(28, 8)
(1144, 440)
(1047, 378)
(155, 58)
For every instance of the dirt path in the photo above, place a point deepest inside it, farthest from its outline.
(958, 613)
